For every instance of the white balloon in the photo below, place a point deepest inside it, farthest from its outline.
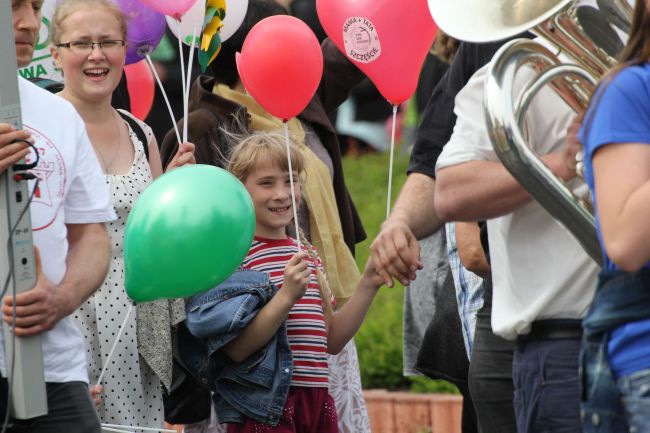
(235, 13)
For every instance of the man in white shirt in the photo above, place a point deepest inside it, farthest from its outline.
(543, 280)
(70, 205)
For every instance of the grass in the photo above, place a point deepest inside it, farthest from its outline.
(379, 341)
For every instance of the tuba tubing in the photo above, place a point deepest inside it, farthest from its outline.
(511, 146)
(556, 22)
(575, 93)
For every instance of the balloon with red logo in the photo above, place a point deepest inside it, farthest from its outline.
(387, 41)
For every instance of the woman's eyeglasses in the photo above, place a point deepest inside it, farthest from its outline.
(86, 47)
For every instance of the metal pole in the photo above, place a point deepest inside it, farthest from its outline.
(23, 355)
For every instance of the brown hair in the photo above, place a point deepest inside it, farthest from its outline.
(262, 146)
(444, 47)
(637, 49)
(66, 7)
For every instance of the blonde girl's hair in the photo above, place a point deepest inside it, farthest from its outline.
(323, 285)
(65, 7)
(262, 146)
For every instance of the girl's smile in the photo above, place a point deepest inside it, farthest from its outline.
(270, 189)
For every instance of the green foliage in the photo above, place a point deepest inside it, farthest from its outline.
(423, 385)
(379, 341)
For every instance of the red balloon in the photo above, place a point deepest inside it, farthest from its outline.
(281, 65)
(140, 84)
(386, 40)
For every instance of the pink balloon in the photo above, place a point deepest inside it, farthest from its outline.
(387, 41)
(173, 8)
(281, 65)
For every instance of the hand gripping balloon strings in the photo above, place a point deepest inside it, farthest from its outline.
(390, 167)
(186, 89)
(117, 339)
(126, 428)
(162, 90)
(293, 193)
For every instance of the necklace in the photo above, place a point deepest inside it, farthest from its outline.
(117, 145)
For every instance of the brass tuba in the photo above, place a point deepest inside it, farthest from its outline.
(557, 22)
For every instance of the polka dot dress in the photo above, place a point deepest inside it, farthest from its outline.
(132, 393)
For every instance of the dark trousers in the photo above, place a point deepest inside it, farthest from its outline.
(490, 378)
(70, 410)
(547, 391)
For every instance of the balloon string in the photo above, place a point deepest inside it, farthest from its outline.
(182, 59)
(117, 339)
(293, 193)
(390, 165)
(162, 90)
(115, 430)
(135, 427)
(189, 81)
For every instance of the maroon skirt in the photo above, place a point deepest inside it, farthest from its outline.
(307, 410)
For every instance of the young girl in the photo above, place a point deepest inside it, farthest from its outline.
(616, 138)
(89, 45)
(304, 300)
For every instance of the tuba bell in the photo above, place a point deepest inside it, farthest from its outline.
(557, 22)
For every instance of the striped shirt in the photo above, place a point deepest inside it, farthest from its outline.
(306, 328)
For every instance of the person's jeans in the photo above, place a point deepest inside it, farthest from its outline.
(602, 411)
(608, 404)
(547, 391)
(612, 405)
(490, 378)
(635, 390)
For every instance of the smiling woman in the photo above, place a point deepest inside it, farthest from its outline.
(88, 38)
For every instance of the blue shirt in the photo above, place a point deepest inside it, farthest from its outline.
(620, 113)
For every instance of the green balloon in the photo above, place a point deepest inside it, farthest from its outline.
(188, 231)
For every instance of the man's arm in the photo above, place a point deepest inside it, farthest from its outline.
(396, 251)
(470, 250)
(41, 308)
(480, 190)
(414, 206)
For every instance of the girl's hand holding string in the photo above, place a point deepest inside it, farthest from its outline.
(296, 277)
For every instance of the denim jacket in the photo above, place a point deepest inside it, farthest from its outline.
(620, 298)
(256, 388)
